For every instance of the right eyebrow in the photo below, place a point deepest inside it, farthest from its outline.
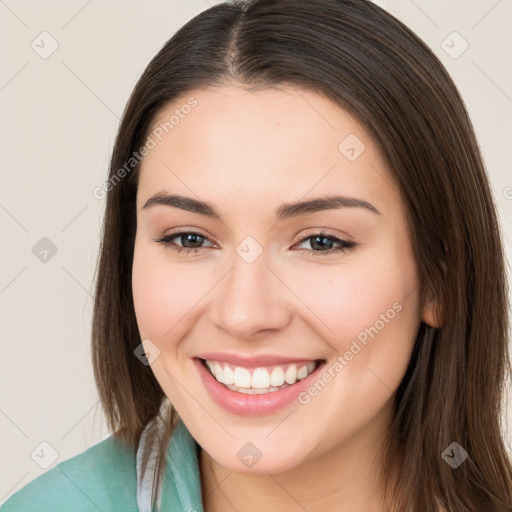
(185, 203)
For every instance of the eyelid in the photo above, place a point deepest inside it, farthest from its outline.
(166, 236)
(343, 245)
(343, 242)
(301, 238)
(323, 232)
(185, 231)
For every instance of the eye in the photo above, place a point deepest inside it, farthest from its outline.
(191, 241)
(322, 244)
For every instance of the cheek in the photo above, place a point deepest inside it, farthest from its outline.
(368, 314)
(346, 299)
(163, 293)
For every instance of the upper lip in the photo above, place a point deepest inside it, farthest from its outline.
(253, 361)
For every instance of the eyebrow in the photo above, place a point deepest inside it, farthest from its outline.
(285, 211)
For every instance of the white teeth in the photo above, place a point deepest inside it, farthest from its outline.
(229, 376)
(277, 376)
(261, 380)
(242, 378)
(302, 372)
(217, 371)
(291, 374)
(251, 391)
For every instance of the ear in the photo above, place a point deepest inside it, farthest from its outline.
(431, 312)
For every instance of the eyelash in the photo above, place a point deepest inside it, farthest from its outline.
(344, 245)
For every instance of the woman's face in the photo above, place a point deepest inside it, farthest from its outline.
(276, 282)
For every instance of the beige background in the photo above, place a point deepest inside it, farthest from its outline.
(58, 119)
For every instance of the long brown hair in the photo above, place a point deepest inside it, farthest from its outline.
(371, 64)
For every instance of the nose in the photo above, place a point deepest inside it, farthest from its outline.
(251, 301)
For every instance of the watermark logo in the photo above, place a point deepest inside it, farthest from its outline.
(147, 352)
(249, 454)
(351, 147)
(44, 250)
(44, 45)
(454, 45)
(44, 455)
(249, 249)
(454, 455)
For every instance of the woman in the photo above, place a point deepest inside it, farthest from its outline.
(301, 297)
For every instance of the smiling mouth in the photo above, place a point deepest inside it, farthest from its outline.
(260, 380)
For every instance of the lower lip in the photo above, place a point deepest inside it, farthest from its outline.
(244, 404)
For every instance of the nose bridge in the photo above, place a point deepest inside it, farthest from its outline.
(251, 299)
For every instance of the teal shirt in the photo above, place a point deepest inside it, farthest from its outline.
(104, 478)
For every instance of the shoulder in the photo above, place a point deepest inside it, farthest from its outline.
(101, 478)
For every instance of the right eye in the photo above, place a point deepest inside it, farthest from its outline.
(186, 237)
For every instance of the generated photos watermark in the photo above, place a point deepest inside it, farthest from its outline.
(156, 136)
(329, 373)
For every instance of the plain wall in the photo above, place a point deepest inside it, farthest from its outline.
(59, 116)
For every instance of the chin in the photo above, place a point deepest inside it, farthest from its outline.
(251, 460)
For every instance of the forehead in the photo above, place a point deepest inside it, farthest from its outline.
(270, 141)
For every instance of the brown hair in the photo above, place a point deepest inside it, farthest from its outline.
(369, 63)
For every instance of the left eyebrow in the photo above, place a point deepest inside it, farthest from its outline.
(286, 210)
(322, 203)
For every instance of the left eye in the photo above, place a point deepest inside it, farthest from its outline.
(326, 242)
(320, 243)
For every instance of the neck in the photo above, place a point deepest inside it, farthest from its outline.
(346, 479)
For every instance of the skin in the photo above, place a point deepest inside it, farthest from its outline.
(247, 153)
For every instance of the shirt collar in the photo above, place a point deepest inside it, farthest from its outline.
(181, 488)
(182, 480)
